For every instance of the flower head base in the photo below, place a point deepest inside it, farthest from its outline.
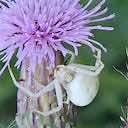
(36, 29)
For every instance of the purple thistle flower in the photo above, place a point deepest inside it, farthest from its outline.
(36, 29)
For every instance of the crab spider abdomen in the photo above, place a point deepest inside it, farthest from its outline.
(83, 89)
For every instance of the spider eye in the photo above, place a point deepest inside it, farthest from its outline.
(57, 68)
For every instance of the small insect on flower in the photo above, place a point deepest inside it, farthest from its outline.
(36, 29)
(80, 82)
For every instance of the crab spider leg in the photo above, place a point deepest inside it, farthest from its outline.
(99, 65)
(59, 101)
(47, 88)
(98, 61)
(72, 59)
(67, 100)
(98, 57)
(72, 56)
(81, 66)
(99, 69)
(87, 69)
(84, 69)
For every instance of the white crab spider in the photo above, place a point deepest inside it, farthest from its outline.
(79, 81)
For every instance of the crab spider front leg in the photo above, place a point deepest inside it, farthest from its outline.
(99, 64)
(72, 59)
(44, 90)
(87, 69)
(59, 96)
(98, 57)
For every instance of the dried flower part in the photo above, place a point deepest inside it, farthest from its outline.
(125, 75)
(36, 29)
(124, 116)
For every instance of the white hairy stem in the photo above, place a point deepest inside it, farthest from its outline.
(27, 102)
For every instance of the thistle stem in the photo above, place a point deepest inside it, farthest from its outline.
(25, 117)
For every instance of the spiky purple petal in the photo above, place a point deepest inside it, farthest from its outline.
(36, 29)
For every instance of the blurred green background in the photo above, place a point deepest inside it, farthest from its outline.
(105, 111)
